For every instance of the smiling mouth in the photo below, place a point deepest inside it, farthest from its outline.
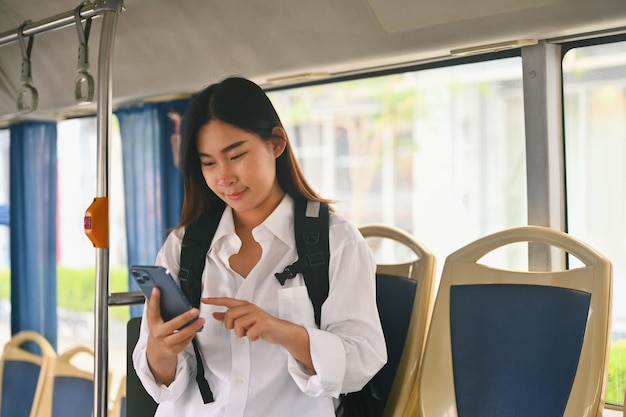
(235, 196)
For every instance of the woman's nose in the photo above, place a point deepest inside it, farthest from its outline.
(225, 182)
(226, 177)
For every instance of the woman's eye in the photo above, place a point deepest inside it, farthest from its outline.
(207, 164)
(238, 156)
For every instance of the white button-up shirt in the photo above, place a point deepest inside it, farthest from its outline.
(260, 379)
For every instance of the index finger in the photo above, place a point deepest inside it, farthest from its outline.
(223, 301)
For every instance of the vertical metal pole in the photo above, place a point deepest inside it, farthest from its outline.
(101, 329)
(544, 148)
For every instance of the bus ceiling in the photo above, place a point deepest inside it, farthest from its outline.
(169, 49)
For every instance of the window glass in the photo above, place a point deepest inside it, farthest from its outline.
(5, 248)
(439, 153)
(594, 79)
(77, 187)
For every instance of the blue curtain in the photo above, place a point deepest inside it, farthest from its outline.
(33, 183)
(153, 188)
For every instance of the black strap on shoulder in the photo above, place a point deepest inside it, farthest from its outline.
(311, 230)
(196, 243)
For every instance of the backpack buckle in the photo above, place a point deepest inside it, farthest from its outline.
(316, 259)
(289, 272)
(183, 274)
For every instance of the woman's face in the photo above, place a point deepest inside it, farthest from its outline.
(240, 167)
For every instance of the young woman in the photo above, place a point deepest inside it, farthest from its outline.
(263, 354)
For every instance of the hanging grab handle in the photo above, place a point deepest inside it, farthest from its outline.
(84, 87)
(27, 91)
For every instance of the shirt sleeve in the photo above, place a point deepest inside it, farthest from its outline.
(186, 364)
(349, 349)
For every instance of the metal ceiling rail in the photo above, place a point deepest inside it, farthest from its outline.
(109, 10)
(59, 21)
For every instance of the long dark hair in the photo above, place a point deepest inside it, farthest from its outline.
(241, 103)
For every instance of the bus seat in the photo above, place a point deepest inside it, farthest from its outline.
(138, 402)
(119, 404)
(69, 389)
(405, 276)
(518, 343)
(23, 373)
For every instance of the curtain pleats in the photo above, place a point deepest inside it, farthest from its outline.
(153, 187)
(33, 200)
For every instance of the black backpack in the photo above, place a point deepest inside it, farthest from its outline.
(311, 233)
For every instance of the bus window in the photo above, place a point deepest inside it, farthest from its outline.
(438, 152)
(594, 85)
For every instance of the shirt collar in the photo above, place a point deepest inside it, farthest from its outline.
(279, 223)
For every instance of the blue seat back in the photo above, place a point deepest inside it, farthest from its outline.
(18, 388)
(72, 397)
(123, 408)
(515, 348)
(395, 297)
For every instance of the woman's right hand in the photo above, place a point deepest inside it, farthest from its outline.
(165, 340)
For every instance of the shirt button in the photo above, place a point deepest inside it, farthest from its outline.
(239, 381)
(240, 340)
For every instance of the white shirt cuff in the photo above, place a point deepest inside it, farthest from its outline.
(329, 360)
(160, 392)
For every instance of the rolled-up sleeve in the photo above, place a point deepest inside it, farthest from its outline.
(185, 371)
(350, 347)
(329, 359)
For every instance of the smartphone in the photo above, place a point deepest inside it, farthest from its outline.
(173, 300)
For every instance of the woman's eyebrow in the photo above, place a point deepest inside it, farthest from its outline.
(226, 149)
(233, 146)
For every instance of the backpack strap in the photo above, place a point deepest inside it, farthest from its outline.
(196, 243)
(311, 230)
